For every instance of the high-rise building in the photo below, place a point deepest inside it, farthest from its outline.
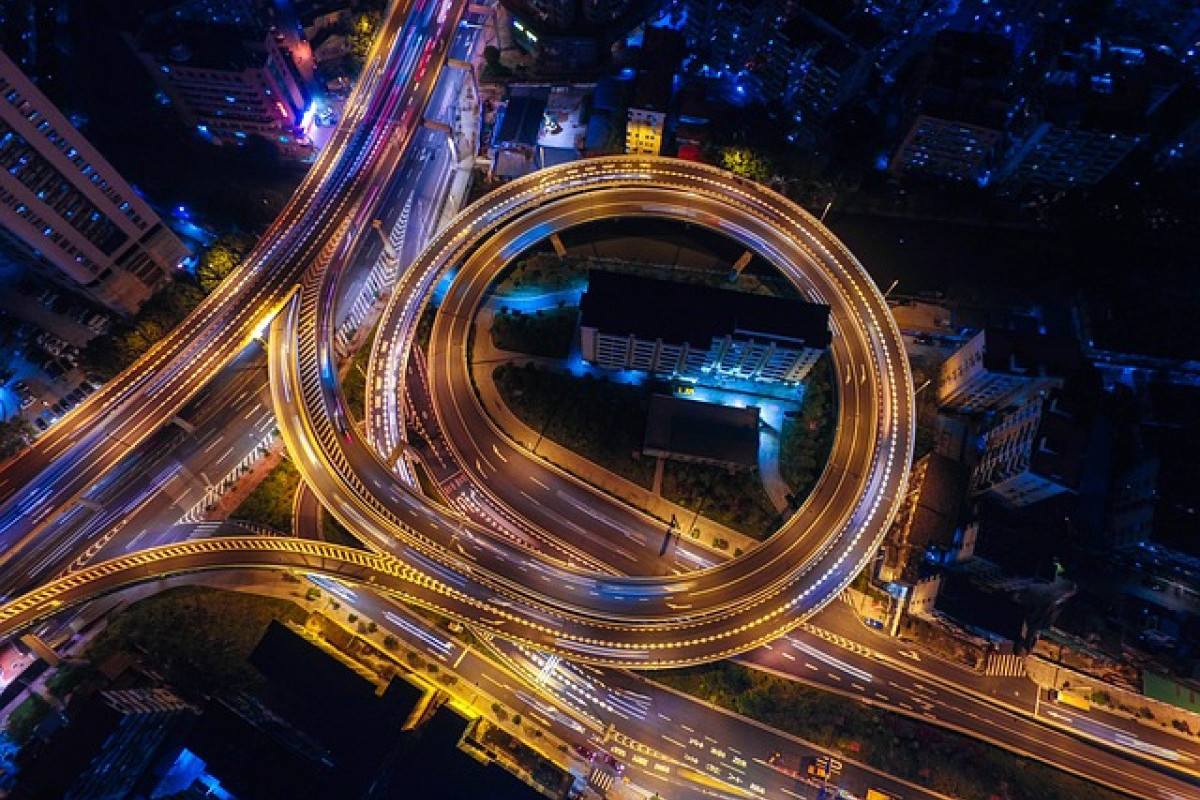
(65, 209)
(995, 368)
(226, 81)
(574, 34)
(646, 121)
(964, 105)
(1031, 452)
(1097, 106)
(116, 745)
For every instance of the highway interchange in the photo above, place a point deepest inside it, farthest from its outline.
(107, 430)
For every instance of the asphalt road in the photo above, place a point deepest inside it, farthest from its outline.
(848, 510)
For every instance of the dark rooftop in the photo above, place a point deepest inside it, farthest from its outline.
(706, 432)
(982, 606)
(522, 119)
(1061, 444)
(218, 47)
(683, 312)
(1030, 354)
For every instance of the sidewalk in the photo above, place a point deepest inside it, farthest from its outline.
(246, 484)
(631, 493)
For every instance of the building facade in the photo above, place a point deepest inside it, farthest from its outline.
(947, 149)
(996, 368)
(1066, 156)
(64, 208)
(226, 82)
(676, 330)
(1031, 453)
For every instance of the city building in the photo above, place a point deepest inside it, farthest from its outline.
(810, 58)
(227, 81)
(927, 526)
(695, 332)
(964, 105)
(66, 210)
(117, 745)
(646, 123)
(569, 35)
(1096, 106)
(1031, 452)
(702, 433)
(997, 367)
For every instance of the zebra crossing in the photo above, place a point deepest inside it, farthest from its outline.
(382, 276)
(837, 639)
(213, 494)
(1005, 665)
(601, 779)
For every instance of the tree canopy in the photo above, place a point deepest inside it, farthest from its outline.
(221, 258)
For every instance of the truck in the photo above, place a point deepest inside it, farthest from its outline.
(1074, 699)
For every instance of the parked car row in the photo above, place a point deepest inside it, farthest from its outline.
(68, 402)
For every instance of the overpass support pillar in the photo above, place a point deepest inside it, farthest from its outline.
(41, 649)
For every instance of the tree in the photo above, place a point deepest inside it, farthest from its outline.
(391, 642)
(362, 35)
(747, 163)
(221, 258)
(15, 434)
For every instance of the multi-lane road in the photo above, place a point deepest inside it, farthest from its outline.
(635, 621)
(56, 473)
(64, 511)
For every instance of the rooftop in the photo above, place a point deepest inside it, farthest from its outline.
(1030, 353)
(707, 432)
(682, 312)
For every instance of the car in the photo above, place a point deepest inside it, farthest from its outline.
(584, 752)
(871, 622)
(41, 424)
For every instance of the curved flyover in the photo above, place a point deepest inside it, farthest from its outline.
(643, 622)
(221, 553)
(381, 113)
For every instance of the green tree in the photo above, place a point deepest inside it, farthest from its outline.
(15, 434)
(221, 258)
(747, 163)
(362, 34)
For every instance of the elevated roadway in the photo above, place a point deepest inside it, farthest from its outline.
(644, 622)
(63, 465)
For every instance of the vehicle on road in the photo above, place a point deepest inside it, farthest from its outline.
(1068, 698)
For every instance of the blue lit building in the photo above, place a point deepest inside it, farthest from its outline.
(227, 80)
(678, 330)
(964, 107)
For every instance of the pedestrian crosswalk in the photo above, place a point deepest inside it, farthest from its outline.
(601, 779)
(838, 639)
(1005, 665)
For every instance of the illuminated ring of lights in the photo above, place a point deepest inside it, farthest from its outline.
(645, 636)
(772, 588)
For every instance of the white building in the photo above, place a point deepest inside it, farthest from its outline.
(996, 368)
(683, 330)
(1031, 453)
(65, 209)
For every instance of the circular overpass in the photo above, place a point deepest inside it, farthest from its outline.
(523, 595)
